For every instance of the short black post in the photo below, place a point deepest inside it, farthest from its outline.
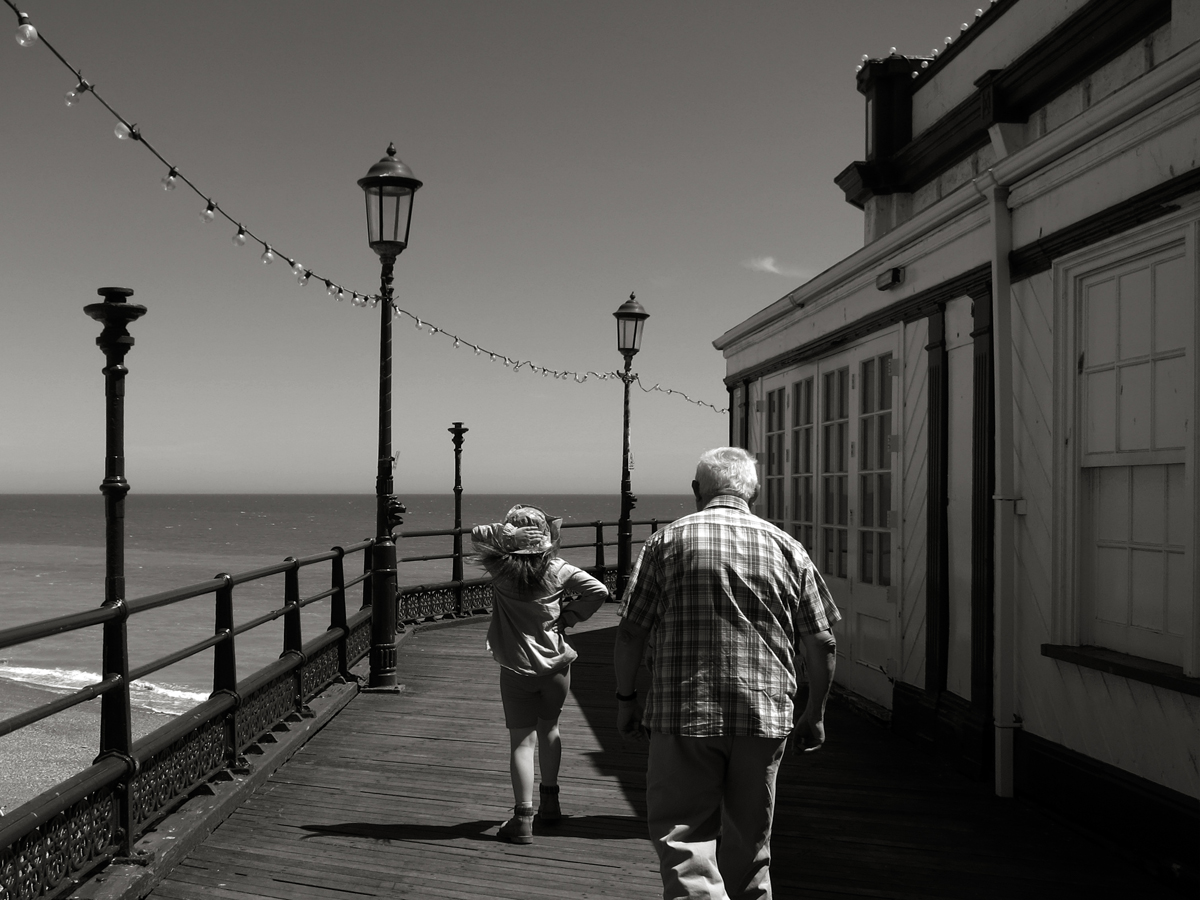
(225, 668)
(456, 573)
(116, 731)
(337, 612)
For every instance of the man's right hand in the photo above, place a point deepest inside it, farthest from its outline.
(629, 721)
(809, 734)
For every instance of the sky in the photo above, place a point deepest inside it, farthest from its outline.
(571, 153)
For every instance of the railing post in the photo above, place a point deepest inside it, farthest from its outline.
(599, 546)
(225, 666)
(456, 573)
(337, 612)
(116, 730)
(293, 641)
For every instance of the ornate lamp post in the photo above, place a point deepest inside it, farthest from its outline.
(389, 186)
(631, 317)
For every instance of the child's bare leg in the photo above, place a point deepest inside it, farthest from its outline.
(549, 750)
(520, 764)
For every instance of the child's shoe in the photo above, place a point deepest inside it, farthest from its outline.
(548, 809)
(518, 829)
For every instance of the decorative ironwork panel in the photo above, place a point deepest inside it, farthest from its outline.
(477, 596)
(435, 601)
(173, 772)
(65, 847)
(319, 671)
(266, 707)
(358, 643)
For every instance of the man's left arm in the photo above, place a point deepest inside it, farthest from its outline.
(627, 659)
(820, 657)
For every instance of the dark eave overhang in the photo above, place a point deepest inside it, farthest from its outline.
(1095, 35)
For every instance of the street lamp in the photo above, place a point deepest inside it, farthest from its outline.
(389, 186)
(631, 318)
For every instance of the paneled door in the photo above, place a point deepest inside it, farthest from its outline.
(828, 481)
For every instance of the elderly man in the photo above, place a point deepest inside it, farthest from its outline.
(723, 598)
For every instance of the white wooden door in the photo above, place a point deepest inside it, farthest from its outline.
(828, 434)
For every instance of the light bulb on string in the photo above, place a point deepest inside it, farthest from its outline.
(76, 93)
(210, 212)
(122, 131)
(268, 255)
(298, 270)
(341, 295)
(478, 351)
(26, 34)
(419, 325)
(357, 301)
(330, 288)
(457, 342)
(170, 180)
(239, 239)
(302, 278)
(432, 331)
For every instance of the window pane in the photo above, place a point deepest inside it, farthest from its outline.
(1134, 328)
(806, 450)
(885, 381)
(1111, 512)
(843, 500)
(1148, 574)
(1102, 412)
(843, 408)
(866, 558)
(885, 558)
(1172, 305)
(843, 553)
(828, 537)
(1172, 397)
(885, 498)
(1111, 589)
(1135, 407)
(842, 427)
(1178, 507)
(866, 387)
(1179, 593)
(1100, 312)
(1149, 505)
(866, 500)
(866, 443)
(885, 451)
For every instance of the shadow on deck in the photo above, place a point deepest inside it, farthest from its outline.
(401, 795)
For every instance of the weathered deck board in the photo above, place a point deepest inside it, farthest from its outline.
(400, 796)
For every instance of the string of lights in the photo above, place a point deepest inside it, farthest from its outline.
(27, 35)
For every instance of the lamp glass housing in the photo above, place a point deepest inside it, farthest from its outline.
(389, 214)
(631, 318)
(389, 186)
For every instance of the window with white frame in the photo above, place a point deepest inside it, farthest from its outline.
(1135, 339)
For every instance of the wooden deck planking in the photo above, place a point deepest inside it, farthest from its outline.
(400, 796)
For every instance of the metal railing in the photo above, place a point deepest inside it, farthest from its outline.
(57, 838)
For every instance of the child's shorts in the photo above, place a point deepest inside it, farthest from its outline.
(527, 698)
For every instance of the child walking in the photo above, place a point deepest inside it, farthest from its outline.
(536, 597)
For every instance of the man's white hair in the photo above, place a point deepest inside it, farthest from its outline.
(727, 470)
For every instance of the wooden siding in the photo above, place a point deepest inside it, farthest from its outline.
(1146, 730)
(914, 486)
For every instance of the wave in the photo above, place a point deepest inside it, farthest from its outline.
(165, 699)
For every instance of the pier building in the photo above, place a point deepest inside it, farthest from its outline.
(982, 423)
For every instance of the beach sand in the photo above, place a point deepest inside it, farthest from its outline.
(38, 757)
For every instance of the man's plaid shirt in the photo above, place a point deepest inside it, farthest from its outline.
(726, 596)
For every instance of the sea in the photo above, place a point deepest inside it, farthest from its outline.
(52, 563)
